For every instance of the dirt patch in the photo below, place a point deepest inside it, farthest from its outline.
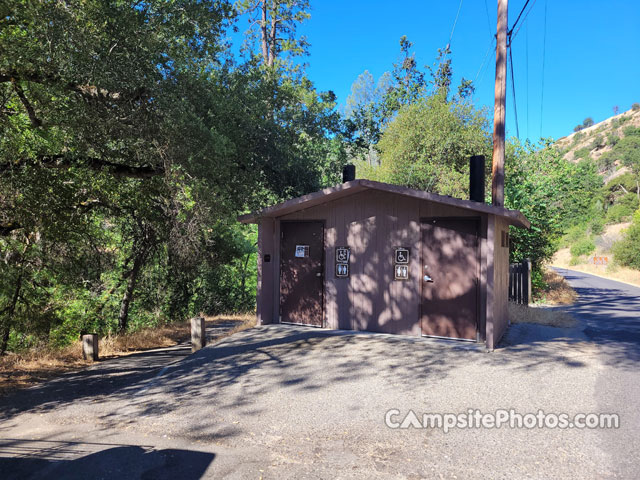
(32, 367)
(540, 315)
(558, 291)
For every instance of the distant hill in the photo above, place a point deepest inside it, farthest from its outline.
(598, 143)
(613, 145)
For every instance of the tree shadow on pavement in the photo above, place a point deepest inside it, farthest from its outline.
(113, 376)
(609, 320)
(29, 459)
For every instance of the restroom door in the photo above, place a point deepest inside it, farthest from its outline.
(450, 277)
(301, 273)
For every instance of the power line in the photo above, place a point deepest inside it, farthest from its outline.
(517, 19)
(455, 22)
(544, 52)
(524, 19)
(486, 55)
(526, 32)
(513, 90)
(486, 9)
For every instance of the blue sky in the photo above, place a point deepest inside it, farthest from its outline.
(591, 61)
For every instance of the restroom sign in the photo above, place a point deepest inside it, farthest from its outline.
(342, 254)
(342, 270)
(401, 272)
(402, 256)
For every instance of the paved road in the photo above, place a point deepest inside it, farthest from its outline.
(610, 314)
(294, 402)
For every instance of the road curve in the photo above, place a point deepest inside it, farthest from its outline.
(609, 313)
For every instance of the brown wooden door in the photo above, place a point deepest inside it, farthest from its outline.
(449, 277)
(301, 272)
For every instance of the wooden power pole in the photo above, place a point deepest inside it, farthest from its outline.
(499, 110)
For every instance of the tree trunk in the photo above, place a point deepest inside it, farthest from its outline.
(264, 36)
(243, 281)
(5, 339)
(10, 310)
(272, 33)
(123, 318)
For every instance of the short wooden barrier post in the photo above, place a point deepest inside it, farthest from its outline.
(526, 281)
(90, 347)
(198, 334)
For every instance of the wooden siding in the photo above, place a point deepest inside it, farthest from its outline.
(371, 223)
(498, 289)
(266, 239)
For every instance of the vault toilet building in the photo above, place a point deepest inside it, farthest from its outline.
(371, 256)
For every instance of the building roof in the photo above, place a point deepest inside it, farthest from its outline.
(514, 217)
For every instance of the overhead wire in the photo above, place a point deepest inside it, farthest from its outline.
(455, 22)
(513, 91)
(544, 52)
(523, 20)
(511, 34)
(486, 9)
(526, 32)
(486, 55)
(518, 19)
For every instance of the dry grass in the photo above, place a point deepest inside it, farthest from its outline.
(614, 272)
(540, 316)
(558, 291)
(28, 368)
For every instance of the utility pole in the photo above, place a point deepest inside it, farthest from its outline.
(499, 109)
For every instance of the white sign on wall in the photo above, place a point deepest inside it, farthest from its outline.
(342, 254)
(342, 270)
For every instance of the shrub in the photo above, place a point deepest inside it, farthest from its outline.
(619, 184)
(612, 139)
(623, 209)
(631, 131)
(635, 107)
(573, 235)
(597, 225)
(584, 246)
(587, 122)
(583, 153)
(616, 122)
(574, 261)
(598, 142)
(627, 250)
(606, 161)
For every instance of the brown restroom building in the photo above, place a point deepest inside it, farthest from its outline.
(371, 256)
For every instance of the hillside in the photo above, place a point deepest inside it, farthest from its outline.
(602, 243)
(600, 142)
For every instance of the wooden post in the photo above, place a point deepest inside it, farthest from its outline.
(198, 334)
(526, 281)
(499, 109)
(90, 347)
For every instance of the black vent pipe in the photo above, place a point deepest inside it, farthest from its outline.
(348, 173)
(476, 178)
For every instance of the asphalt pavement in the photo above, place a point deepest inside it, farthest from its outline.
(294, 402)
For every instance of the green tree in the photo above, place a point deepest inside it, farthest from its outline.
(273, 25)
(363, 115)
(551, 192)
(130, 140)
(428, 145)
